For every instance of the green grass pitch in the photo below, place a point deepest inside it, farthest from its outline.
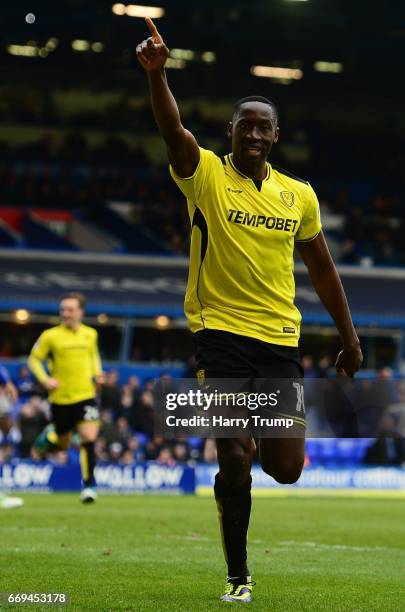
(163, 553)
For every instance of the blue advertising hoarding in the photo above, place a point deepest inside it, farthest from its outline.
(371, 478)
(149, 477)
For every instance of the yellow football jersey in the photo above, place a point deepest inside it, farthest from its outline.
(241, 276)
(72, 358)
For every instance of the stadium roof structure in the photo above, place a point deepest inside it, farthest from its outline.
(140, 286)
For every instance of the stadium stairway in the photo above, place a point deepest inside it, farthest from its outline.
(8, 236)
(10, 227)
(85, 236)
(39, 235)
(134, 236)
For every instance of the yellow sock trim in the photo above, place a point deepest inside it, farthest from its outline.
(84, 464)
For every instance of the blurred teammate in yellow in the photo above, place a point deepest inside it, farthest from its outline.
(71, 354)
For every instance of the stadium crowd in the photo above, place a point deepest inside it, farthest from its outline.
(73, 175)
(127, 423)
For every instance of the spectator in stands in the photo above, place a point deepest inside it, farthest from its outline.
(325, 363)
(165, 456)
(210, 451)
(9, 433)
(134, 452)
(111, 393)
(131, 399)
(108, 429)
(100, 449)
(388, 449)
(32, 419)
(25, 384)
(8, 391)
(180, 452)
(308, 366)
(124, 432)
(154, 446)
(142, 418)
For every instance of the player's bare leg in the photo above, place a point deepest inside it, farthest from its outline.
(282, 458)
(233, 498)
(88, 432)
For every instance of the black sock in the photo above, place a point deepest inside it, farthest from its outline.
(87, 463)
(234, 505)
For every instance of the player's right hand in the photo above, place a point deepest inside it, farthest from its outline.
(51, 383)
(152, 53)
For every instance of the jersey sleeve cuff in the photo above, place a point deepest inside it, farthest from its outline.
(185, 178)
(308, 239)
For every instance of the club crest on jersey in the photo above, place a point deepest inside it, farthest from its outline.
(287, 198)
(201, 377)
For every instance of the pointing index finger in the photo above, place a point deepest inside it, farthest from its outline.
(153, 30)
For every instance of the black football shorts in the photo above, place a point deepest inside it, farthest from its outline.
(66, 417)
(246, 365)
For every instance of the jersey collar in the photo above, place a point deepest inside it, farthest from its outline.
(231, 163)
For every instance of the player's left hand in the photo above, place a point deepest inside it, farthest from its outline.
(349, 360)
(100, 378)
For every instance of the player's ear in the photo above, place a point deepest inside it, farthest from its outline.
(229, 129)
(277, 134)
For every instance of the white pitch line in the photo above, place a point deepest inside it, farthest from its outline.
(337, 547)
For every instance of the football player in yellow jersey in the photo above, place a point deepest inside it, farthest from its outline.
(246, 218)
(74, 369)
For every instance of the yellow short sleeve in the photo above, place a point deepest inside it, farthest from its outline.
(310, 225)
(193, 186)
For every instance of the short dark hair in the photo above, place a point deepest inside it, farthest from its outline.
(74, 295)
(239, 103)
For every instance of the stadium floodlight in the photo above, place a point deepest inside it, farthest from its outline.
(22, 316)
(119, 9)
(137, 10)
(277, 72)
(322, 66)
(179, 64)
(23, 50)
(80, 45)
(185, 54)
(52, 44)
(209, 57)
(162, 322)
(97, 47)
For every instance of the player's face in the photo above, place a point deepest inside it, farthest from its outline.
(253, 131)
(71, 313)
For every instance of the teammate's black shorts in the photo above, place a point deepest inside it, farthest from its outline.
(65, 417)
(258, 366)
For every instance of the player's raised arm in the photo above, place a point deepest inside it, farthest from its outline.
(182, 147)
